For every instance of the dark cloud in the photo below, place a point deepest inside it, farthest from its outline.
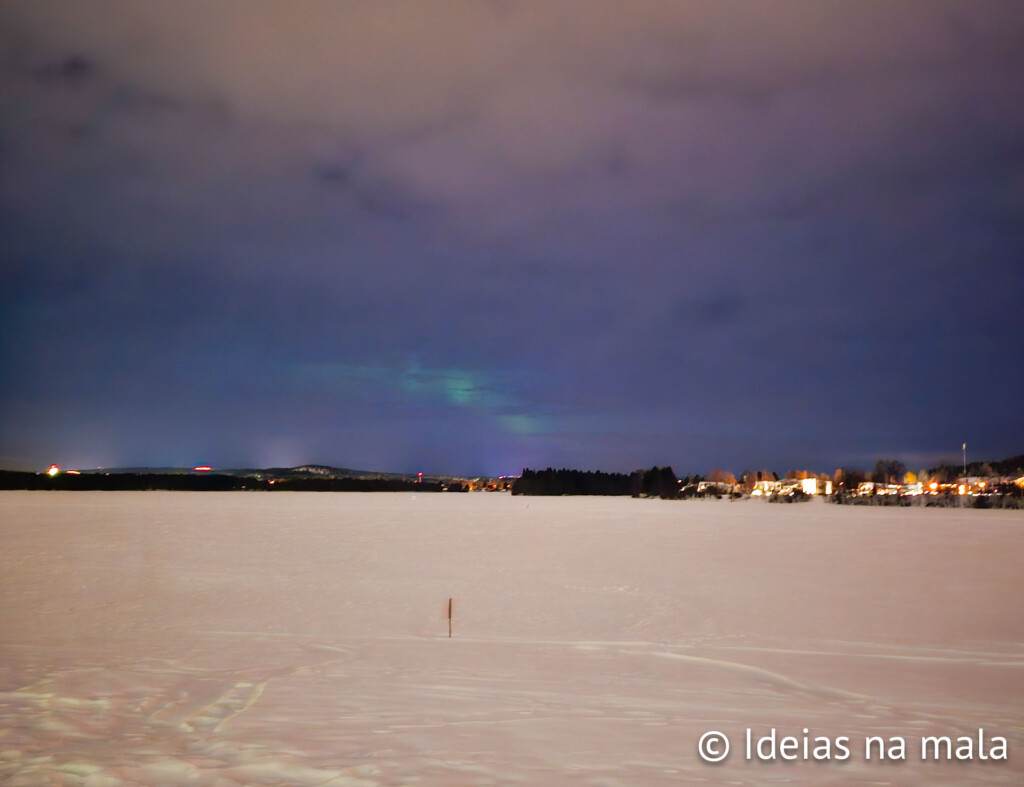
(488, 235)
(76, 69)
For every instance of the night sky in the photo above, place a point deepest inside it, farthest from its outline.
(468, 237)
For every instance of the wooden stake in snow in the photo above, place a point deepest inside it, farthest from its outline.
(449, 618)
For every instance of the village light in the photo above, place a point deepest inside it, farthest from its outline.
(52, 471)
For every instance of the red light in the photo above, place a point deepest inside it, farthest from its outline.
(202, 468)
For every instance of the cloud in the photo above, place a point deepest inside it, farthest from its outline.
(552, 221)
(73, 70)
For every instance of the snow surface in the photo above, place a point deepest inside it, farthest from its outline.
(260, 638)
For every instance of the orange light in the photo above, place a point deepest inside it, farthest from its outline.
(73, 472)
(933, 485)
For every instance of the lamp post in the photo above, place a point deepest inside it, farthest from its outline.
(965, 460)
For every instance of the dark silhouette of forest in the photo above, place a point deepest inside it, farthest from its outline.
(206, 482)
(656, 482)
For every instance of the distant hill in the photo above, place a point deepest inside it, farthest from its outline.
(309, 471)
(213, 481)
(136, 471)
(299, 472)
(1013, 466)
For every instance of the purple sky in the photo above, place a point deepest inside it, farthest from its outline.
(469, 237)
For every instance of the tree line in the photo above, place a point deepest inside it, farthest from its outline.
(206, 482)
(655, 482)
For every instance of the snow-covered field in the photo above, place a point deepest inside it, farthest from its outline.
(247, 638)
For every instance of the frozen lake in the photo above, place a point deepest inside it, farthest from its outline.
(162, 638)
